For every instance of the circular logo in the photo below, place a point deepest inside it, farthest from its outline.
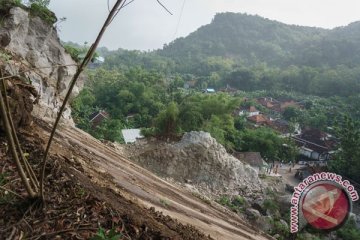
(325, 206)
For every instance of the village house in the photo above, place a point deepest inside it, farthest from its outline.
(247, 111)
(314, 145)
(259, 119)
(268, 102)
(228, 90)
(97, 118)
(283, 127)
(276, 105)
(190, 84)
(280, 125)
(208, 90)
(288, 103)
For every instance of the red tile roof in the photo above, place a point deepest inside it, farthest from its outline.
(258, 119)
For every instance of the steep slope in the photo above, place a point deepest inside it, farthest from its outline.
(252, 39)
(143, 187)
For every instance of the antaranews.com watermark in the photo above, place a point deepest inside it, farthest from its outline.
(323, 200)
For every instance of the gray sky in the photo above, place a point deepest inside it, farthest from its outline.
(144, 25)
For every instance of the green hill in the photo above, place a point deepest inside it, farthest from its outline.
(251, 40)
(253, 53)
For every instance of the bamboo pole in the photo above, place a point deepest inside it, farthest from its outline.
(28, 169)
(12, 147)
(86, 60)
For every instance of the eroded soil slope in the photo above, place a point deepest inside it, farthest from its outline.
(107, 167)
(75, 207)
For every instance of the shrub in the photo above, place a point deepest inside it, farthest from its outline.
(42, 3)
(111, 235)
(270, 205)
(225, 201)
(236, 204)
(5, 5)
(43, 12)
(4, 56)
(148, 132)
(349, 231)
(239, 201)
(73, 51)
(281, 229)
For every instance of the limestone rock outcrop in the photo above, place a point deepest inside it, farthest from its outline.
(40, 59)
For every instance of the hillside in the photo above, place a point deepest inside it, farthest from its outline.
(252, 39)
(90, 188)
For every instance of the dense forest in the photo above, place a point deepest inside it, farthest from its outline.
(252, 53)
(254, 57)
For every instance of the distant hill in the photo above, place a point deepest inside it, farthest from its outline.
(249, 40)
(253, 53)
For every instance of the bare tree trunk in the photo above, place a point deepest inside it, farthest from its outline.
(29, 171)
(12, 147)
(89, 54)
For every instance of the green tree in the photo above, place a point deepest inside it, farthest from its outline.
(265, 141)
(42, 3)
(346, 160)
(167, 122)
(109, 129)
(221, 128)
(82, 106)
(291, 113)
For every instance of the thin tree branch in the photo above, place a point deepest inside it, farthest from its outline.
(123, 5)
(86, 60)
(164, 7)
(64, 231)
(126, 4)
(12, 192)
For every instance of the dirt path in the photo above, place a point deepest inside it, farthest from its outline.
(145, 188)
(289, 177)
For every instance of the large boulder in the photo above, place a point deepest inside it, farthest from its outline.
(40, 59)
(200, 159)
(252, 214)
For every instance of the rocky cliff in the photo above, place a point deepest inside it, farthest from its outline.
(39, 58)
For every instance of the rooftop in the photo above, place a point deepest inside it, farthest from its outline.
(130, 135)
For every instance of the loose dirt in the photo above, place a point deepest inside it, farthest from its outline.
(109, 168)
(75, 207)
(91, 185)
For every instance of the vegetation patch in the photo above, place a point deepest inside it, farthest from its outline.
(236, 204)
(349, 231)
(43, 12)
(5, 5)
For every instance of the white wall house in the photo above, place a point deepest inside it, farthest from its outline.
(249, 112)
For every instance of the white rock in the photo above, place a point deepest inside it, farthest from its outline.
(199, 158)
(37, 44)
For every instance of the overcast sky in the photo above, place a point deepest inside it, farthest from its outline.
(144, 25)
